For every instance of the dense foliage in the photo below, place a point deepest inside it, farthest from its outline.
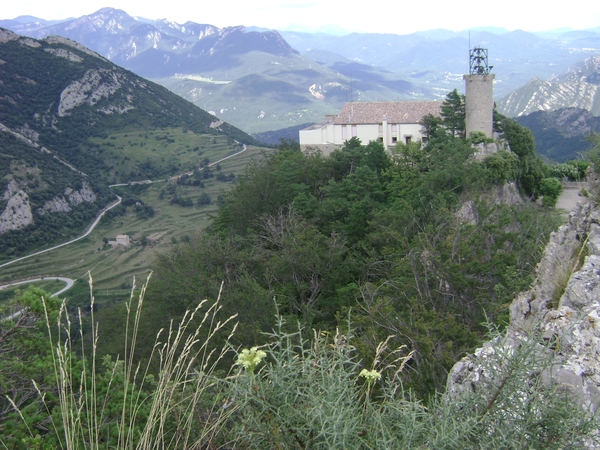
(418, 244)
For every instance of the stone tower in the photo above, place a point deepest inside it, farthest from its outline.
(479, 93)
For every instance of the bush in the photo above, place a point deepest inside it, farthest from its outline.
(314, 394)
(565, 171)
(550, 188)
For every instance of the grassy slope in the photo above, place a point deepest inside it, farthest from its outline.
(113, 269)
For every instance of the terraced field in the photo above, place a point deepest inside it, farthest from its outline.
(169, 223)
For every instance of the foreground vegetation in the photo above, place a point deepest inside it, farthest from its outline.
(298, 390)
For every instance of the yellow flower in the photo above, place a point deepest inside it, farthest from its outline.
(370, 375)
(249, 359)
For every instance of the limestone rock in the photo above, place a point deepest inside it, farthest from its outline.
(57, 204)
(17, 213)
(70, 198)
(7, 35)
(562, 307)
(90, 89)
(71, 43)
(62, 53)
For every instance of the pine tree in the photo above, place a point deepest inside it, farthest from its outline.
(453, 113)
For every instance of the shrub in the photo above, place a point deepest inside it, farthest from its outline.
(312, 393)
(550, 188)
(119, 404)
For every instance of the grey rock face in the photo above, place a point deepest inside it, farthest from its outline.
(17, 213)
(95, 85)
(563, 308)
(70, 198)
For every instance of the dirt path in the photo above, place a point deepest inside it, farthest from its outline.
(570, 196)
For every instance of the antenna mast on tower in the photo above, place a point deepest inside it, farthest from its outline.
(478, 61)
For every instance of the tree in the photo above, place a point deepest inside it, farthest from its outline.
(531, 167)
(453, 113)
(204, 199)
(26, 356)
(431, 125)
(550, 188)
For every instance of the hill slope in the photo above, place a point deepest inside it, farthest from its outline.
(61, 107)
(562, 135)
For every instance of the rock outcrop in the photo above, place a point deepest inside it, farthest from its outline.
(17, 213)
(562, 308)
(90, 89)
(70, 198)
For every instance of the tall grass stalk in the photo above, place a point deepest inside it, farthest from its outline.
(175, 408)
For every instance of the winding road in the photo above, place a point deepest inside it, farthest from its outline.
(89, 230)
(69, 282)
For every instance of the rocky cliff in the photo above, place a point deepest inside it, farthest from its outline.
(560, 313)
(576, 88)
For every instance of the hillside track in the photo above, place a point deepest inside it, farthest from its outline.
(89, 230)
(570, 196)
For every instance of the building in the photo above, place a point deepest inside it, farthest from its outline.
(122, 239)
(386, 122)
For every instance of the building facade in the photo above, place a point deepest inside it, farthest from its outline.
(122, 239)
(386, 122)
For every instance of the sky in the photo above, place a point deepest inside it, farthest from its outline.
(399, 17)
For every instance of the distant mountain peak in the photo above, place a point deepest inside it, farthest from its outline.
(577, 87)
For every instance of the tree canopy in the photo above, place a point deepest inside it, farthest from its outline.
(412, 242)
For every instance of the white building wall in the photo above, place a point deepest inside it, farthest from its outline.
(367, 132)
(312, 137)
(409, 129)
(333, 135)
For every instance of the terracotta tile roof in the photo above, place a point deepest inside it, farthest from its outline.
(393, 112)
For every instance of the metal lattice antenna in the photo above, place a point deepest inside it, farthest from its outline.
(478, 58)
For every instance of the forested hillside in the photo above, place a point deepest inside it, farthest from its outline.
(71, 123)
(563, 134)
(425, 245)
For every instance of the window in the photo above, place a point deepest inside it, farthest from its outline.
(408, 139)
(394, 139)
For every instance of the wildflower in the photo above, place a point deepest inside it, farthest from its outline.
(249, 359)
(370, 375)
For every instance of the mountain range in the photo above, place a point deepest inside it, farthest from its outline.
(261, 80)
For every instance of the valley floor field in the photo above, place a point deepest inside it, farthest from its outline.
(113, 268)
